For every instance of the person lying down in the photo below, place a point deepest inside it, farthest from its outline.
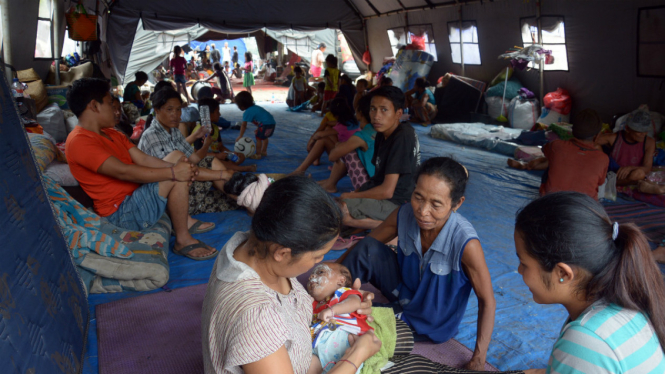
(335, 323)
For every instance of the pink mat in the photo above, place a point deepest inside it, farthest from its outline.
(161, 333)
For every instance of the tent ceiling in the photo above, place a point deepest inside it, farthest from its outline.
(375, 8)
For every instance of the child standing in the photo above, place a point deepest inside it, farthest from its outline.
(361, 90)
(258, 116)
(248, 81)
(298, 89)
(332, 82)
(179, 65)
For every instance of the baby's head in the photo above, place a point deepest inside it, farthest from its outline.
(326, 278)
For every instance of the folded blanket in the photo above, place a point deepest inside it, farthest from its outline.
(384, 328)
(81, 227)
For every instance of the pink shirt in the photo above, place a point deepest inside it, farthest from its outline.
(244, 320)
(179, 65)
(343, 133)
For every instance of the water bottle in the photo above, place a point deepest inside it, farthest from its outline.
(231, 157)
(204, 113)
(17, 89)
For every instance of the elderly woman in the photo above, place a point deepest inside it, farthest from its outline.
(163, 137)
(256, 315)
(572, 254)
(438, 261)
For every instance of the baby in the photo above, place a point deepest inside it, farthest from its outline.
(335, 322)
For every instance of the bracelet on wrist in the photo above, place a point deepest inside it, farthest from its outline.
(172, 174)
(354, 365)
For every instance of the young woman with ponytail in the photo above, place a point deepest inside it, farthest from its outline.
(572, 254)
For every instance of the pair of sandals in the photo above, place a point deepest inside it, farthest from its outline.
(196, 229)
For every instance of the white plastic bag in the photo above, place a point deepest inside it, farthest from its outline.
(494, 109)
(523, 114)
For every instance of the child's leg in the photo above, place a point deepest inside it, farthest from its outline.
(259, 145)
(324, 108)
(650, 187)
(264, 148)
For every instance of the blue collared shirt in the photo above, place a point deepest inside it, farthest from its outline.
(435, 290)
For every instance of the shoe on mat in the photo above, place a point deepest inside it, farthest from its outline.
(195, 228)
(187, 249)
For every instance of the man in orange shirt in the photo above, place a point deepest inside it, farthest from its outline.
(131, 189)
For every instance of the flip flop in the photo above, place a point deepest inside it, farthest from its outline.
(195, 228)
(185, 251)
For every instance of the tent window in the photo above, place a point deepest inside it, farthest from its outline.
(421, 36)
(651, 42)
(468, 36)
(44, 20)
(554, 39)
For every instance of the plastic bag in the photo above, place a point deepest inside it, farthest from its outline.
(522, 114)
(494, 108)
(367, 57)
(138, 130)
(558, 100)
(549, 116)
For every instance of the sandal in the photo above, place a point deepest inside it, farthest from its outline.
(195, 228)
(185, 251)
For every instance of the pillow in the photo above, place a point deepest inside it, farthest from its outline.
(37, 92)
(53, 121)
(60, 173)
(44, 150)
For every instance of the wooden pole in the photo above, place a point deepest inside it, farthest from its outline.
(540, 41)
(7, 39)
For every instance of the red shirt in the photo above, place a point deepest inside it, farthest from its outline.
(179, 65)
(573, 166)
(86, 151)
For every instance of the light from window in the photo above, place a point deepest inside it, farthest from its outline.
(469, 35)
(43, 42)
(554, 39)
(69, 46)
(651, 42)
(421, 36)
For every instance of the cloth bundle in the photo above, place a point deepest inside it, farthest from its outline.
(251, 196)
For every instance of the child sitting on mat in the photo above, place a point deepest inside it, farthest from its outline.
(335, 323)
(572, 165)
(258, 116)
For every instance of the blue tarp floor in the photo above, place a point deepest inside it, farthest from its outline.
(524, 331)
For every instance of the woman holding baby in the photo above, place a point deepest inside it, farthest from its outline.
(257, 316)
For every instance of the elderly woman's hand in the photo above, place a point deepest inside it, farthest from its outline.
(366, 305)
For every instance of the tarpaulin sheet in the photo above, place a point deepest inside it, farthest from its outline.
(43, 306)
(524, 332)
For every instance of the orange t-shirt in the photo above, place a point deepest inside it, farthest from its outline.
(574, 167)
(86, 151)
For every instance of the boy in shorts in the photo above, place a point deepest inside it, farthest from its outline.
(258, 116)
(396, 159)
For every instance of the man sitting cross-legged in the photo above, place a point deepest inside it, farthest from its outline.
(131, 189)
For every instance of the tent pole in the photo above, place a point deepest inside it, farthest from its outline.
(55, 38)
(7, 42)
(540, 41)
(461, 41)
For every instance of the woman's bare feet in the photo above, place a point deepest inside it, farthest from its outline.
(651, 188)
(516, 164)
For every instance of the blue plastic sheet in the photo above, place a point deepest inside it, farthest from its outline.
(43, 306)
(524, 331)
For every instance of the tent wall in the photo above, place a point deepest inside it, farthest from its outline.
(228, 16)
(601, 42)
(23, 28)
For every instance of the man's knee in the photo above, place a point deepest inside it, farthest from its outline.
(174, 156)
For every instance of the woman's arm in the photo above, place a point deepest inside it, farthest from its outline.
(278, 363)
(473, 262)
(364, 347)
(344, 148)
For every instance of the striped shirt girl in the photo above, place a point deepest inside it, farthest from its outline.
(244, 320)
(607, 338)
